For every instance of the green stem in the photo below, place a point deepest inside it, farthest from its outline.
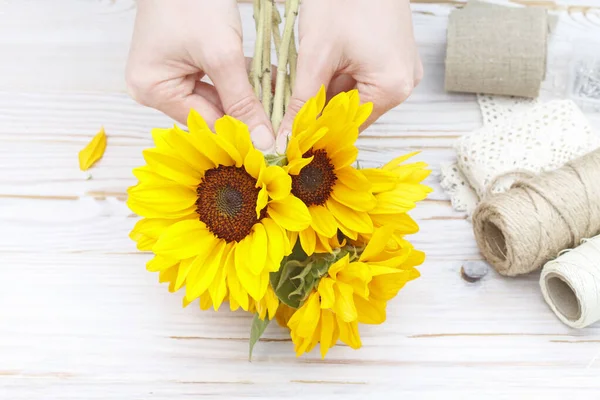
(266, 11)
(256, 70)
(277, 40)
(282, 60)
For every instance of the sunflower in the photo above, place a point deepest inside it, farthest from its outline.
(320, 154)
(353, 291)
(216, 216)
(397, 188)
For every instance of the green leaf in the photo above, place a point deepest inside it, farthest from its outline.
(276, 159)
(256, 331)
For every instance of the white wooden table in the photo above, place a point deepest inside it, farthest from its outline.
(80, 318)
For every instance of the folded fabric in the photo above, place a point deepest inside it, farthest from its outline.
(496, 49)
(526, 138)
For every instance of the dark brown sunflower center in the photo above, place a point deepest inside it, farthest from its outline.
(227, 202)
(315, 182)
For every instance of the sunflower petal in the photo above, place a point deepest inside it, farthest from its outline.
(370, 311)
(237, 292)
(93, 151)
(149, 211)
(261, 201)
(258, 249)
(196, 123)
(309, 111)
(307, 139)
(166, 198)
(326, 292)
(180, 143)
(338, 266)
(401, 199)
(363, 113)
(349, 333)
(344, 302)
(203, 271)
(308, 240)
(322, 221)
(344, 157)
(353, 178)
(399, 160)
(323, 245)
(354, 220)
(294, 167)
(308, 318)
(147, 231)
(214, 147)
(377, 243)
(255, 285)
(185, 239)
(277, 181)
(380, 179)
(277, 246)
(292, 150)
(171, 168)
(290, 213)
(328, 332)
(254, 163)
(160, 263)
(218, 287)
(184, 269)
(236, 133)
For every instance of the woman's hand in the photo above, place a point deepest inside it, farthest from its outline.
(363, 44)
(176, 43)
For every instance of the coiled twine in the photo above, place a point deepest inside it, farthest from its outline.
(571, 284)
(520, 230)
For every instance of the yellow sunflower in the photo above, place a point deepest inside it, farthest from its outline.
(397, 188)
(320, 154)
(216, 216)
(353, 291)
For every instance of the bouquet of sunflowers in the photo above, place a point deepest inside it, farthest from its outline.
(305, 238)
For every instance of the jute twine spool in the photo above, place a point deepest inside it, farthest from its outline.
(571, 284)
(520, 230)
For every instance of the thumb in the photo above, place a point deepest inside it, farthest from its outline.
(312, 72)
(237, 97)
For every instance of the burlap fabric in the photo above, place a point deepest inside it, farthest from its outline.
(496, 49)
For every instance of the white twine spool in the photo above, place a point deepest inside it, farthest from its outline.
(571, 284)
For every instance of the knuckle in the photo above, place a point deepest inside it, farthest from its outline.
(294, 106)
(223, 57)
(397, 89)
(242, 107)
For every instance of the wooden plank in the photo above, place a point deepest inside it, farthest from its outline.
(103, 323)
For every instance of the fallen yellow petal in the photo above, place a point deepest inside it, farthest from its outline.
(93, 151)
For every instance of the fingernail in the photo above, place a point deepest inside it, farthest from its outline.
(282, 141)
(262, 138)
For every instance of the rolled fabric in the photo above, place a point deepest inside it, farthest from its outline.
(496, 49)
(571, 284)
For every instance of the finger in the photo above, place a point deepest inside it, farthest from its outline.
(386, 95)
(340, 83)
(237, 97)
(313, 70)
(208, 91)
(175, 97)
(180, 109)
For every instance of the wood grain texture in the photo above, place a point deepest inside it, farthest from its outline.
(80, 318)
